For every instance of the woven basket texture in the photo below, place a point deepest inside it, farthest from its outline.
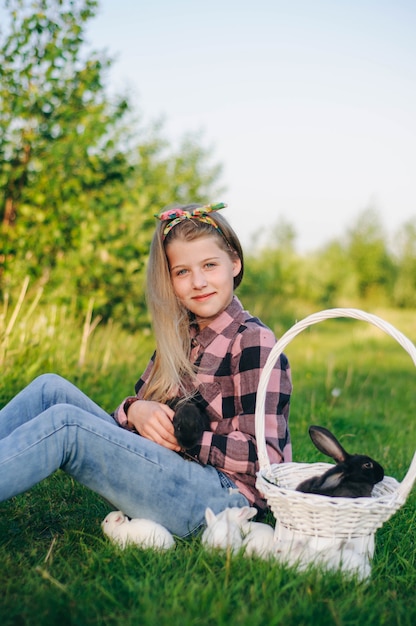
(309, 525)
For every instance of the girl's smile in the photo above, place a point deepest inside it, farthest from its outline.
(202, 275)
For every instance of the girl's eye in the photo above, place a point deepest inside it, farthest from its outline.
(209, 265)
(181, 272)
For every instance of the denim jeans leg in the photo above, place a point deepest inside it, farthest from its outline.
(136, 475)
(43, 392)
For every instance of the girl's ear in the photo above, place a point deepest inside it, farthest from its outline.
(236, 266)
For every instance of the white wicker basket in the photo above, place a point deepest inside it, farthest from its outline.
(333, 532)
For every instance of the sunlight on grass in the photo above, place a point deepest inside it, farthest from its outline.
(58, 568)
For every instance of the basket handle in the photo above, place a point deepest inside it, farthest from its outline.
(281, 344)
(407, 483)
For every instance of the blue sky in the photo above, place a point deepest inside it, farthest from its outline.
(309, 105)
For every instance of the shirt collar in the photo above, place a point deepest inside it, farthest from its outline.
(224, 324)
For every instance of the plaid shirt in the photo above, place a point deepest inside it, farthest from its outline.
(230, 354)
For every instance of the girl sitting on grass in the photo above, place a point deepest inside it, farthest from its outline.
(208, 349)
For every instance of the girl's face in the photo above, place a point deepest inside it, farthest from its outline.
(202, 276)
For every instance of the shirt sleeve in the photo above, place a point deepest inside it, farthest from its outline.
(232, 446)
(119, 414)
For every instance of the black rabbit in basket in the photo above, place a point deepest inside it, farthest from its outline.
(354, 475)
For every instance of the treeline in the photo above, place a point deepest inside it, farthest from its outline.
(365, 268)
(81, 177)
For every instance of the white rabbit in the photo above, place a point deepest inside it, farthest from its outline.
(233, 529)
(350, 555)
(258, 539)
(222, 530)
(142, 532)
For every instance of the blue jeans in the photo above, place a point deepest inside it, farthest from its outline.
(51, 424)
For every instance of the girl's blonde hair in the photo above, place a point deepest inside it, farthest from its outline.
(173, 373)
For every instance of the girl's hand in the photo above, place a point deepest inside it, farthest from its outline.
(153, 420)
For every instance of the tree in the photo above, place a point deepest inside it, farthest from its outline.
(368, 252)
(79, 179)
(404, 293)
(271, 276)
(60, 138)
(327, 276)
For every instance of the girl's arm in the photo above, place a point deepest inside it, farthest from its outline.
(120, 414)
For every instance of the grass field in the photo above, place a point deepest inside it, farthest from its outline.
(56, 567)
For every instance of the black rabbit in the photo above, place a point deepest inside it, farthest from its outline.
(354, 475)
(189, 422)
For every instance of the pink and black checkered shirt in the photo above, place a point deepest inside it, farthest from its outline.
(230, 354)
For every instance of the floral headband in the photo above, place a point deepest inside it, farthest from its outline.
(174, 216)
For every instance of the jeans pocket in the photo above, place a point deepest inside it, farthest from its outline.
(225, 481)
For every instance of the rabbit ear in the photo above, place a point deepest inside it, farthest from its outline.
(114, 517)
(210, 516)
(245, 513)
(327, 443)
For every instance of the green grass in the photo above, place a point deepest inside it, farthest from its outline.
(56, 567)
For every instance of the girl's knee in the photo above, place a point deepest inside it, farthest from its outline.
(50, 385)
(45, 379)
